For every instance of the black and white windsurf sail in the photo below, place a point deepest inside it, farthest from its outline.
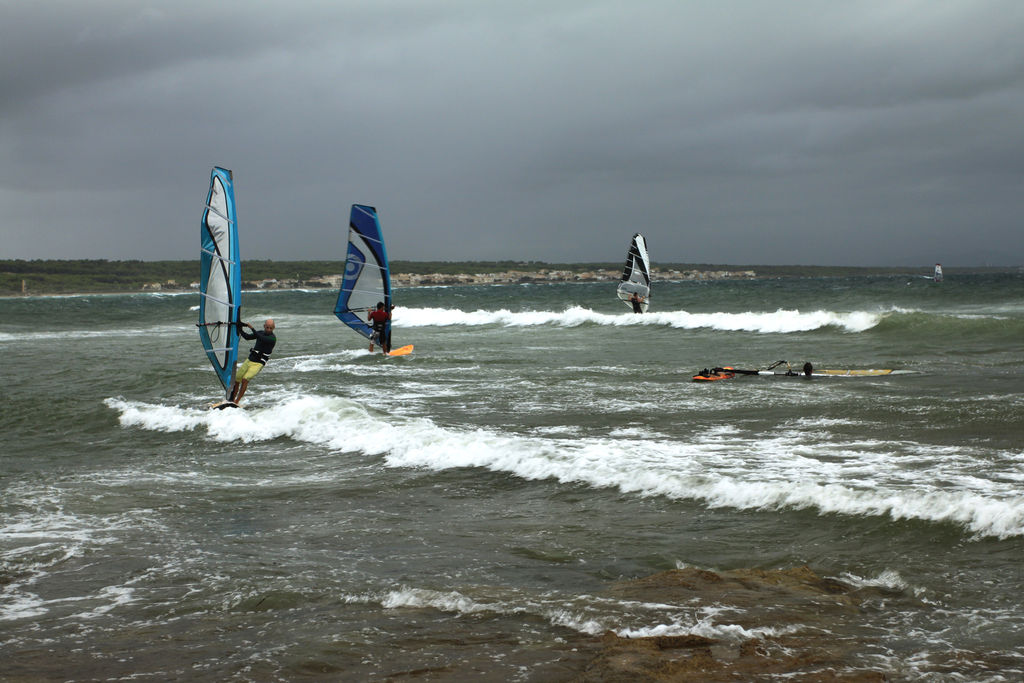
(220, 281)
(636, 275)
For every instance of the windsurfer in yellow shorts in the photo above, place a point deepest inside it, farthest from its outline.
(259, 354)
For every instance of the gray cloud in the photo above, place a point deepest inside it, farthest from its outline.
(870, 133)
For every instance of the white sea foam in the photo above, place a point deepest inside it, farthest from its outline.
(902, 481)
(21, 605)
(450, 601)
(333, 362)
(708, 629)
(43, 536)
(889, 579)
(40, 335)
(582, 614)
(781, 321)
(103, 295)
(109, 598)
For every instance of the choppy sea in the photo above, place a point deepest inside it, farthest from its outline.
(461, 512)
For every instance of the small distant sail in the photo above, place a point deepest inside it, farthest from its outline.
(220, 281)
(636, 275)
(367, 279)
(938, 272)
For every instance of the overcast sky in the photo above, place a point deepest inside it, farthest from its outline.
(876, 132)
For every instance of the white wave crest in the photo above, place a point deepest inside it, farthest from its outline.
(579, 614)
(157, 330)
(708, 629)
(450, 601)
(781, 321)
(888, 578)
(332, 422)
(747, 473)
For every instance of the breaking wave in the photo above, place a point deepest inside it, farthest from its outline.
(862, 478)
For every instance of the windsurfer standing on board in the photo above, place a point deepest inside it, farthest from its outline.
(259, 354)
(636, 300)
(379, 321)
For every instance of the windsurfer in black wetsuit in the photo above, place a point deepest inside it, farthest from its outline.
(259, 354)
(636, 300)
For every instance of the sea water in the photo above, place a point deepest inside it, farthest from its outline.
(463, 511)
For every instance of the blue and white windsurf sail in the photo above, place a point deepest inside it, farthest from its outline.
(938, 273)
(220, 280)
(367, 280)
(636, 275)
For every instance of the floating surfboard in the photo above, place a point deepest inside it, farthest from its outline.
(729, 373)
(711, 378)
(404, 351)
(714, 375)
(223, 404)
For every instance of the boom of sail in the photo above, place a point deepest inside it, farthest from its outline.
(367, 280)
(220, 280)
(636, 275)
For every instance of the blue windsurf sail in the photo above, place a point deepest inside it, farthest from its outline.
(367, 280)
(220, 280)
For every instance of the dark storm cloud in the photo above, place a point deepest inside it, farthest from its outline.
(738, 132)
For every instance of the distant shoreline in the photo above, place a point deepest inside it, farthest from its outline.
(408, 280)
(510, 277)
(39, 278)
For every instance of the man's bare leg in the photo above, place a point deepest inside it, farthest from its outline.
(243, 385)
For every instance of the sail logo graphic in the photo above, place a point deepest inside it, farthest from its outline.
(354, 264)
